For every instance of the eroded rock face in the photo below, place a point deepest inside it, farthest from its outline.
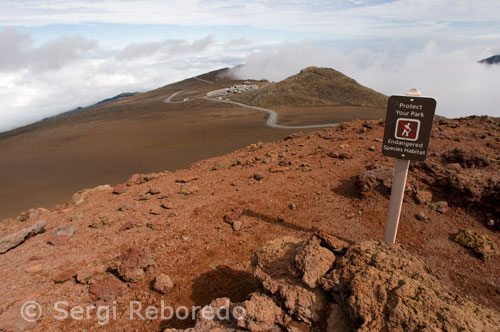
(384, 288)
(373, 287)
(313, 261)
(274, 267)
(261, 314)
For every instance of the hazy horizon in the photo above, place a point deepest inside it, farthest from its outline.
(59, 56)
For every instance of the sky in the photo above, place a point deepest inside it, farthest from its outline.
(58, 55)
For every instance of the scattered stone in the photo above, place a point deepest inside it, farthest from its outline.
(157, 225)
(377, 179)
(31, 214)
(292, 206)
(102, 221)
(119, 189)
(163, 284)
(258, 176)
(481, 244)
(124, 207)
(423, 196)
(167, 205)
(15, 239)
(341, 155)
(441, 206)
(106, 291)
(65, 230)
(421, 216)
(137, 179)
(145, 197)
(153, 191)
(237, 224)
(64, 276)
(89, 275)
(377, 140)
(155, 211)
(58, 240)
(188, 190)
(266, 161)
(313, 262)
(283, 163)
(35, 268)
(278, 169)
(126, 226)
(490, 222)
(186, 179)
(371, 148)
(233, 215)
(131, 264)
(306, 167)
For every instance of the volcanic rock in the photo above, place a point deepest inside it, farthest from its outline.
(13, 240)
(481, 244)
(163, 284)
(313, 261)
(106, 291)
(131, 264)
(384, 288)
(377, 179)
(272, 265)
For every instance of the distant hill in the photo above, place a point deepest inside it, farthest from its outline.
(491, 60)
(314, 86)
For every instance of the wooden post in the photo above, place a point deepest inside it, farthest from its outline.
(397, 191)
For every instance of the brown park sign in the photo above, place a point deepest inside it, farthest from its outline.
(408, 127)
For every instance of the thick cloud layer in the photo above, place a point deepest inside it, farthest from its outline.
(460, 84)
(41, 80)
(38, 81)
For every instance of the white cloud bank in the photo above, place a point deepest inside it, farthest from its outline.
(461, 85)
(38, 81)
(41, 80)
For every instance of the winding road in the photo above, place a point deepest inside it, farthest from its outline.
(271, 121)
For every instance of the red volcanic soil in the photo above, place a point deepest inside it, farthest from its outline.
(182, 223)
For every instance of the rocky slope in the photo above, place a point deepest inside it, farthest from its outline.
(314, 86)
(285, 230)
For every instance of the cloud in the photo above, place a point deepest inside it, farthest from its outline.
(337, 18)
(39, 81)
(166, 47)
(20, 52)
(460, 84)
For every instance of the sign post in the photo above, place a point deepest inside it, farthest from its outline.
(407, 131)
